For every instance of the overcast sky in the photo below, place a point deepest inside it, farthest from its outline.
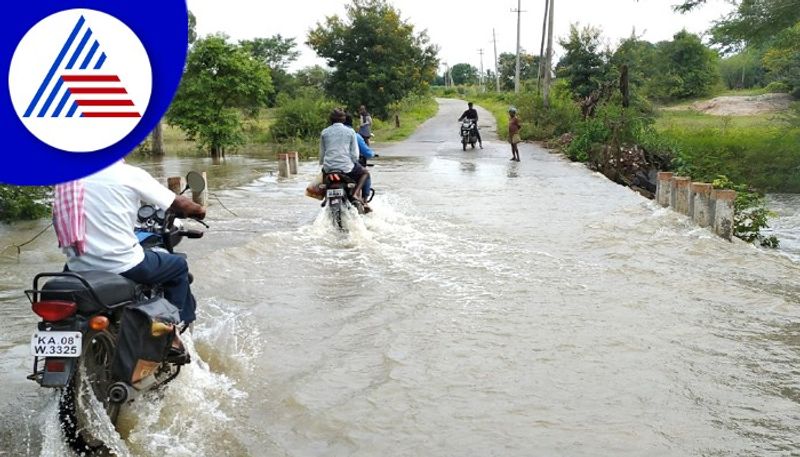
(459, 27)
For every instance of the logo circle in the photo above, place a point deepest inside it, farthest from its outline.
(80, 80)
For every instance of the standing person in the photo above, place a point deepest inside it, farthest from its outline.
(513, 133)
(94, 220)
(472, 113)
(365, 129)
(338, 151)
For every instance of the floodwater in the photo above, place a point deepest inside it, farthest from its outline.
(485, 308)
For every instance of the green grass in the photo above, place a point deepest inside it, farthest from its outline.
(411, 114)
(499, 109)
(761, 150)
(688, 119)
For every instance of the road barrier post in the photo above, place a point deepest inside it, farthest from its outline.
(175, 184)
(293, 159)
(722, 201)
(663, 188)
(700, 202)
(283, 165)
(680, 194)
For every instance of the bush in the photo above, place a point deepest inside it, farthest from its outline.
(303, 116)
(23, 203)
(750, 215)
(778, 87)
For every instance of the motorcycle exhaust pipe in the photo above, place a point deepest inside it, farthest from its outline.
(120, 393)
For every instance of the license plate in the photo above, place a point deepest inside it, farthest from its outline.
(56, 344)
(335, 193)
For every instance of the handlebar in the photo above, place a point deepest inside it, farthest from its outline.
(192, 234)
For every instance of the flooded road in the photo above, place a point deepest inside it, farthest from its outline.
(485, 308)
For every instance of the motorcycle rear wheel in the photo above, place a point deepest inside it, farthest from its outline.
(93, 372)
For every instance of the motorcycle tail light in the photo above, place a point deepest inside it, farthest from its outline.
(55, 365)
(54, 310)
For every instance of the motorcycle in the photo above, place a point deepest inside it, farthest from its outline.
(104, 336)
(469, 133)
(338, 188)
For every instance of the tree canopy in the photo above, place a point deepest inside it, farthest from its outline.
(584, 63)
(464, 73)
(376, 56)
(507, 67)
(221, 81)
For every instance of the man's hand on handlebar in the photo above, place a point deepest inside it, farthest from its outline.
(185, 207)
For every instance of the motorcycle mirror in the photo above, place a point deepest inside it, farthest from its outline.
(195, 181)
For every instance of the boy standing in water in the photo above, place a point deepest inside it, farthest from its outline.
(513, 133)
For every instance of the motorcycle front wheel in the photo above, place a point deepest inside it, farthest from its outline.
(91, 381)
(463, 145)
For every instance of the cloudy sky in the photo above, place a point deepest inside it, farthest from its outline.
(459, 27)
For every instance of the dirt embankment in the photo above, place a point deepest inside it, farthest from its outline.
(742, 105)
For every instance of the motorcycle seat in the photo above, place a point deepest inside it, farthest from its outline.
(110, 289)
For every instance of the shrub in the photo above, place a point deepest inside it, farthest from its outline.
(750, 214)
(303, 116)
(778, 87)
(23, 203)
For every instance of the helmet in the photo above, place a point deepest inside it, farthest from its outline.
(512, 110)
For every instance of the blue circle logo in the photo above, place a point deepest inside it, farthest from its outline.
(86, 84)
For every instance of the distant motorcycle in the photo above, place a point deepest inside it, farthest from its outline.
(104, 336)
(469, 133)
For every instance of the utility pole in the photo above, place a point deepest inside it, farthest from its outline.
(496, 62)
(483, 87)
(540, 75)
(446, 74)
(549, 63)
(519, 28)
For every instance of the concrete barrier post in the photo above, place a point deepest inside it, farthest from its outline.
(202, 197)
(700, 200)
(175, 184)
(663, 188)
(680, 194)
(293, 159)
(283, 165)
(722, 200)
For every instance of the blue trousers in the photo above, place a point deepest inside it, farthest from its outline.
(171, 272)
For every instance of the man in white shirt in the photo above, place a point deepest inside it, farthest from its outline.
(111, 200)
(338, 150)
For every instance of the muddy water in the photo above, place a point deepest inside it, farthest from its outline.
(485, 308)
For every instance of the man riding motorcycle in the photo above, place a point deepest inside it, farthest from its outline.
(338, 151)
(472, 114)
(94, 220)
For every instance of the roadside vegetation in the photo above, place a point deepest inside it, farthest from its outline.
(625, 111)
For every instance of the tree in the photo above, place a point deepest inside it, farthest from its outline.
(743, 70)
(221, 82)
(584, 65)
(376, 56)
(783, 59)
(23, 202)
(754, 22)
(640, 58)
(528, 68)
(464, 73)
(275, 52)
(316, 77)
(685, 68)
